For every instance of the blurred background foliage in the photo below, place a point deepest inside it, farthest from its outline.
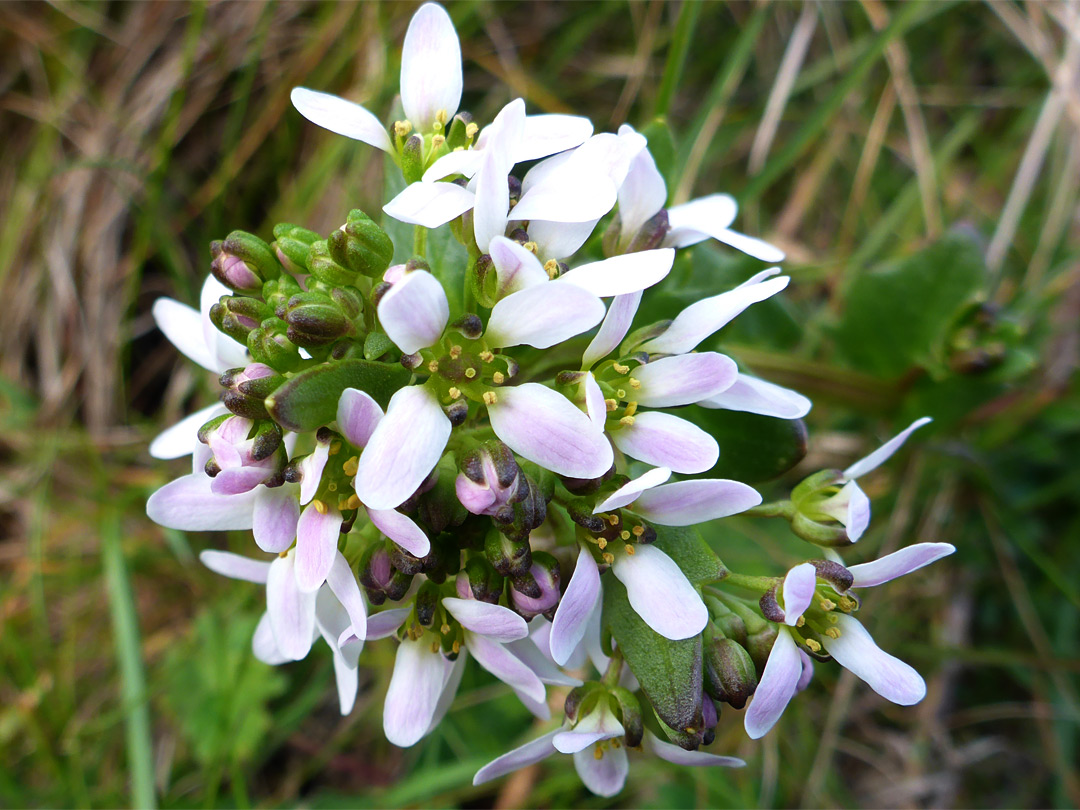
(919, 162)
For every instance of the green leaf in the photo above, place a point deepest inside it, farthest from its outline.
(309, 400)
(662, 148)
(752, 448)
(447, 258)
(691, 553)
(669, 671)
(901, 314)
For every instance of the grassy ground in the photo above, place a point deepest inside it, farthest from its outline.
(860, 136)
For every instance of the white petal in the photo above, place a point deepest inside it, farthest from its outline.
(414, 312)
(430, 67)
(449, 690)
(605, 776)
(776, 687)
(386, 622)
(599, 724)
(548, 429)
(667, 441)
(235, 566)
(545, 135)
(879, 456)
(622, 275)
(341, 116)
(182, 325)
(413, 696)
(357, 416)
(263, 645)
(543, 316)
(402, 530)
(504, 665)
(466, 162)
(492, 199)
(620, 316)
(226, 351)
(798, 592)
(890, 677)
(346, 590)
(595, 406)
(700, 217)
(629, 491)
(683, 379)
(516, 267)
(558, 240)
(576, 606)
(292, 612)
(316, 544)
(347, 680)
(274, 517)
(579, 197)
(680, 756)
(528, 754)
(311, 470)
(660, 593)
(180, 439)
(898, 563)
(851, 507)
(430, 204)
(685, 503)
(702, 318)
(641, 195)
(494, 621)
(749, 245)
(404, 448)
(752, 395)
(190, 505)
(537, 660)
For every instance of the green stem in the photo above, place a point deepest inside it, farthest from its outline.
(758, 584)
(614, 670)
(468, 299)
(420, 241)
(784, 509)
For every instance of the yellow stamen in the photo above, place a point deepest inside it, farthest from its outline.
(847, 604)
(627, 420)
(350, 466)
(487, 356)
(799, 622)
(498, 378)
(320, 507)
(343, 505)
(471, 129)
(598, 752)
(833, 632)
(532, 247)
(621, 369)
(621, 393)
(630, 549)
(437, 141)
(444, 629)
(455, 352)
(454, 392)
(354, 501)
(611, 404)
(402, 128)
(609, 558)
(631, 409)
(602, 543)
(635, 382)
(434, 646)
(433, 366)
(624, 534)
(813, 645)
(490, 398)
(332, 487)
(827, 604)
(638, 531)
(283, 554)
(551, 267)
(440, 116)
(456, 647)
(613, 520)
(335, 448)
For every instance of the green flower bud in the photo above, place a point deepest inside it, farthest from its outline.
(269, 344)
(412, 158)
(511, 558)
(237, 315)
(315, 320)
(458, 132)
(292, 246)
(246, 389)
(480, 581)
(629, 715)
(323, 267)
(427, 600)
(730, 676)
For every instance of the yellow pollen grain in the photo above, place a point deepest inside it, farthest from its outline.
(638, 531)
(613, 520)
(827, 604)
(487, 356)
(630, 549)
(847, 604)
(471, 129)
(320, 507)
(624, 534)
(532, 247)
(621, 369)
(455, 351)
(799, 622)
(498, 378)
(470, 372)
(350, 466)
(490, 398)
(602, 543)
(634, 383)
(454, 393)
(444, 629)
(433, 366)
(833, 632)
(551, 267)
(354, 501)
(611, 404)
(437, 141)
(615, 744)
(335, 448)
(609, 558)
(813, 645)
(627, 420)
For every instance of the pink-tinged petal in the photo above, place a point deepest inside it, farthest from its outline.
(798, 592)
(595, 406)
(492, 198)
(415, 688)
(182, 325)
(534, 658)
(580, 196)
(429, 204)
(311, 470)
(558, 240)
(521, 757)
(685, 503)
(776, 687)
(575, 608)
(599, 724)
(342, 582)
(702, 318)
(890, 677)
(851, 507)
(188, 504)
(752, 395)
(292, 611)
(347, 680)
(751, 246)
(542, 316)
(316, 545)
(235, 566)
(879, 456)
(641, 195)
(516, 267)
(341, 116)
(660, 593)
(629, 491)
(494, 621)
(620, 316)
(807, 672)
(548, 429)
(694, 759)
(403, 450)
(263, 645)
(605, 776)
(334, 625)
(683, 379)
(414, 312)
(238, 480)
(180, 439)
(668, 441)
(504, 665)
(548, 134)
(694, 221)
(898, 563)
(357, 416)
(622, 275)
(430, 67)
(385, 623)
(402, 530)
(449, 691)
(274, 517)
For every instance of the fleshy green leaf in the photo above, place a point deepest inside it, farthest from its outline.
(309, 400)
(690, 552)
(669, 671)
(752, 448)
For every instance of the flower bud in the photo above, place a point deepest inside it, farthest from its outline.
(361, 246)
(484, 280)
(490, 481)
(820, 534)
(269, 345)
(730, 676)
(629, 715)
(277, 292)
(292, 245)
(237, 315)
(412, 158)
(427, 600)
(834, 573)
(529, 512)
(246, 453)
(243, 262)
(544, 598)
(323, 267)
(246, 389)
(511, 558)
(759, 644)
(651, 234)
(379, 577)
(457, 133)
(479, 581)
(582, 699)
(315, 320)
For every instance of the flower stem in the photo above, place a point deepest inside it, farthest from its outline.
(758, 584)
(420, 241)
(614, 669)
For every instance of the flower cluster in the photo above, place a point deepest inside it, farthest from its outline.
(490, 455)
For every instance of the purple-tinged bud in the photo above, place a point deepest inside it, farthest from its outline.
(639, 336)
(379, 577)
(587, 486)
(243, 261)
(730, 676)
(544, 573)
(834, 573)
(511, 558)
(315, 319)
(529, 512)
(457, 412)
(629, 715)
(770, 606)
(582, 699)
(237, 315)
(468, 326)
(479, 581)
(427, 600)
(709, 716)
(395, 273)
(490, 479)
(514, 185)
(246, 453)
(732, 626)
(651, 234)
(292, 245)
(457, 134)
(246, 389)
(484, 280)
(519, 235)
